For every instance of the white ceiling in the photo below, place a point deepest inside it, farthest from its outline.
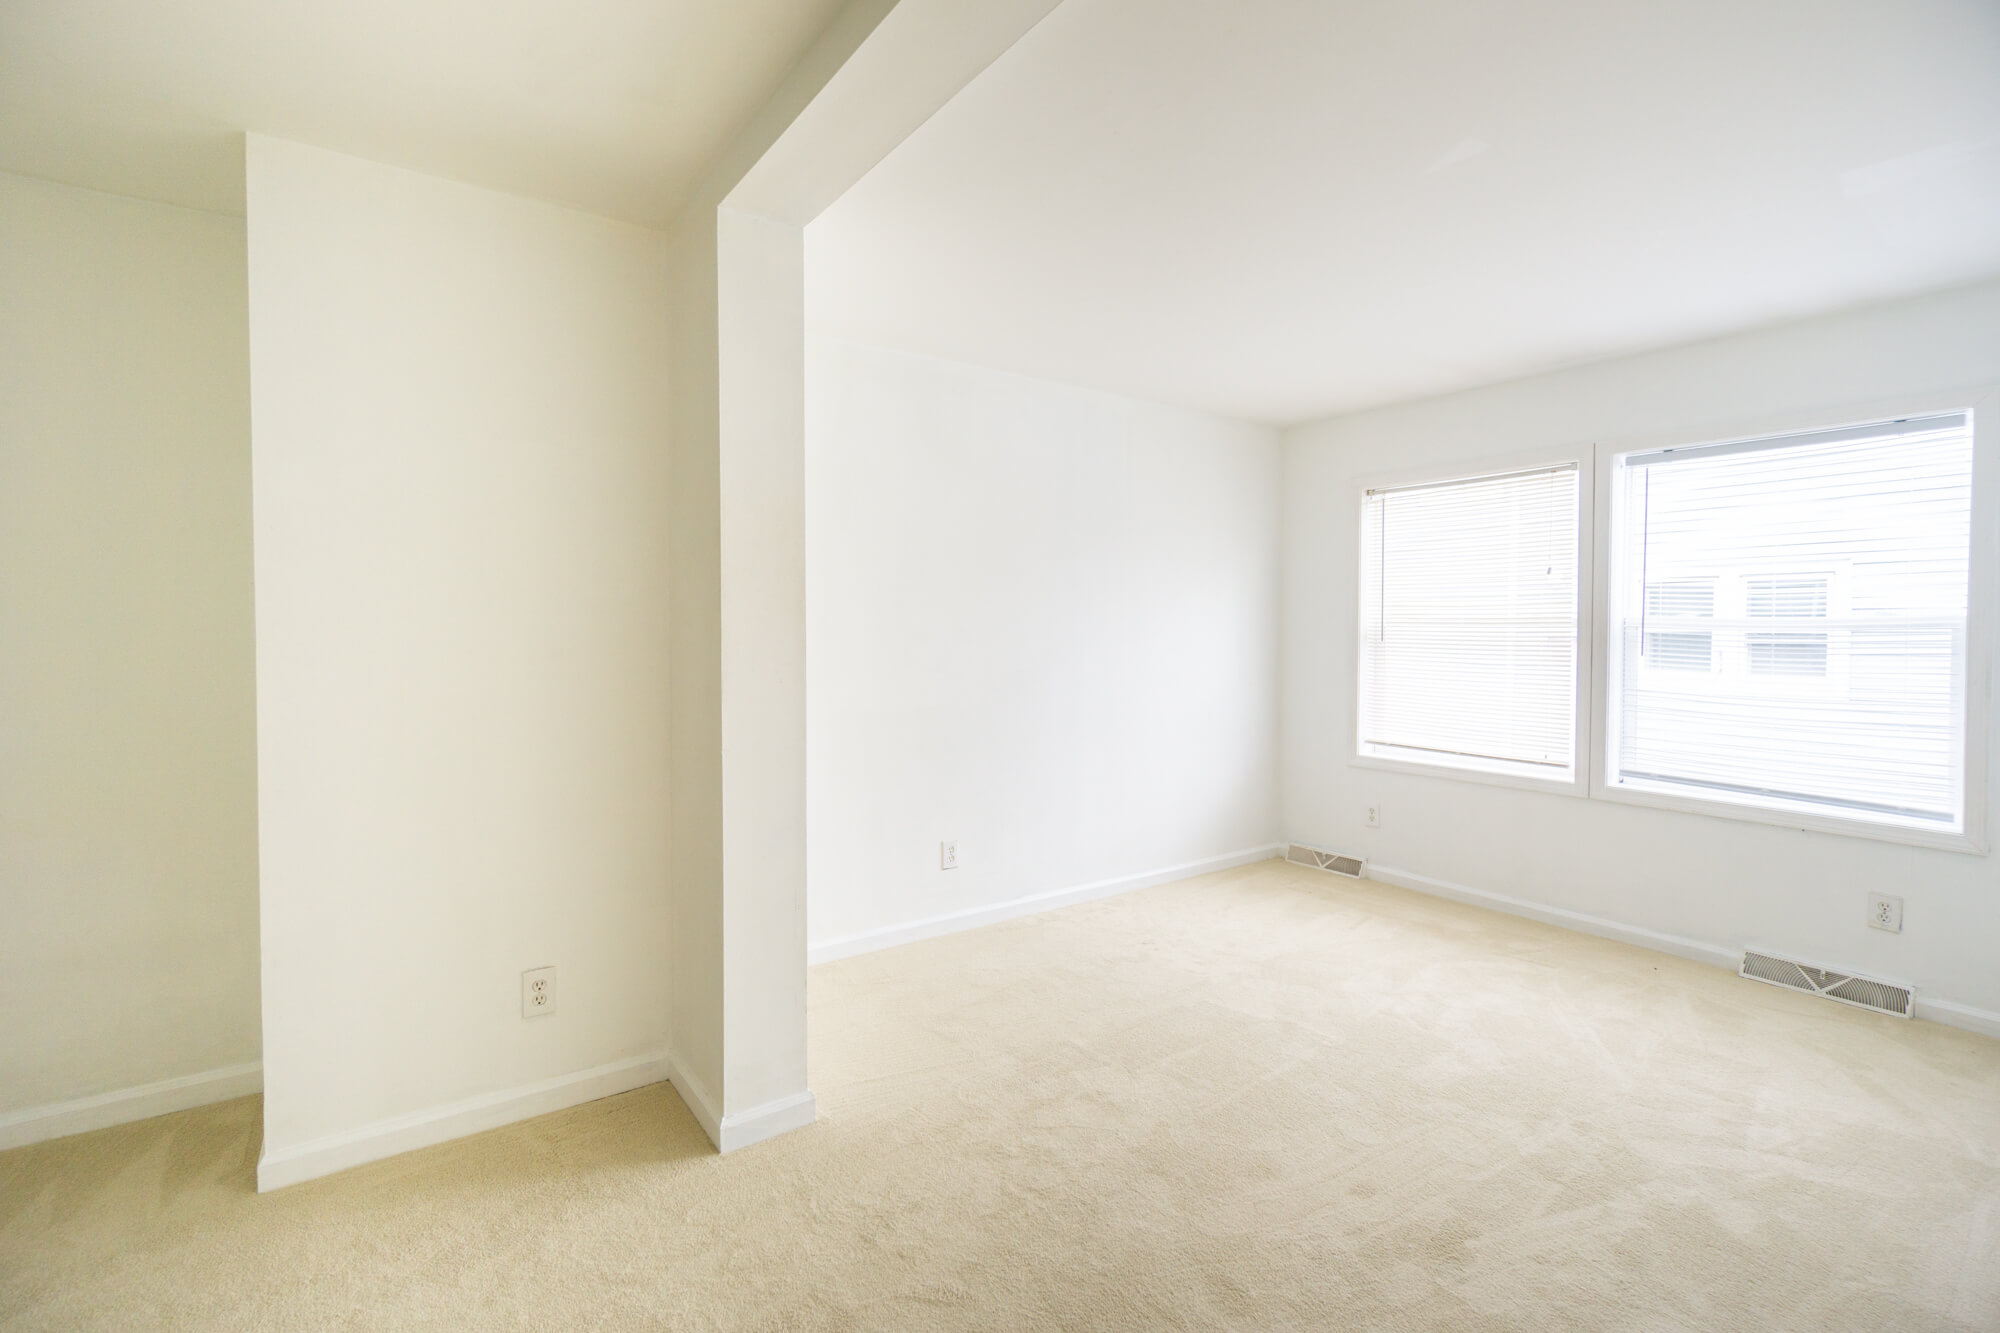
(1279, 209)
(607, 105)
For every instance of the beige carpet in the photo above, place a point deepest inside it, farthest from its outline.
(1265, 1099)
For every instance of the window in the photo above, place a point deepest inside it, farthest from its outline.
(1787, 622)
(1469, 623)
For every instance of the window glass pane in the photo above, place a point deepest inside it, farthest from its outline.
(1680, 652)
(1789, 620)
(1788, 654)
(1786, 597)
(1675, 610)
(1469, 592)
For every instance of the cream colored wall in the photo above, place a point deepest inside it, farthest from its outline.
(461, 483)
(876, 73)
(761, 488)
(128, 833)
(738, 573)
(695, 570)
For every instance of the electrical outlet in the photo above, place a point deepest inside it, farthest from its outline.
(1374, 819)
(1885, 912)
(947, 856)
(538, 992)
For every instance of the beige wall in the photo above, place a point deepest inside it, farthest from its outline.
(696, 675)
(460, 421)
(128, 835)
(739, 617)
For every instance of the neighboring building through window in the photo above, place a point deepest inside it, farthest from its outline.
(1788, 622)
(1678, 635)
(1789, 653)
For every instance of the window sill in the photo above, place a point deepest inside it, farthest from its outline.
(1964, 841)
(1563, 786)
(1968, 843)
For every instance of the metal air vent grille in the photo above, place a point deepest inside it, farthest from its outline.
(1862, 992)
(1300, 854)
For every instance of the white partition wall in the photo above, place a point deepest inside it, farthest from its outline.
(739, 688)
(739, 678)
(459, 416)
(530, 632)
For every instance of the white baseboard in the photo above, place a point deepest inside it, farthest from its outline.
(1949, 1012)
(293, 1163)
(34, 1123)
(1953, 1014)
(699, 1100)
(1680, 946)
(868, 941)
(742, 1128)
(780, 1116)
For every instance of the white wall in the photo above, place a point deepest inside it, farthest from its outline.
(695, 673)
(128, 835)
(876, 73)
(760, 335)
(459, 417)
(739, 1014)
(1041, 622)
(1712, 880)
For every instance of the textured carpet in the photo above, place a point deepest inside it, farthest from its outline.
(1262, 1099)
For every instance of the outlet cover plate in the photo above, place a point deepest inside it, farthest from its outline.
(538, 992)
(947, 856)
(1885, 912)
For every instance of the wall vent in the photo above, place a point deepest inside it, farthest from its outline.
(1862, 992)
(1300, 854)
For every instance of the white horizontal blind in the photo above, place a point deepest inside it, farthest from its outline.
(1469, 623)
(1789, 621)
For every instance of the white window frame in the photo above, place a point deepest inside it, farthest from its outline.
(1983, 574)
(1582, 457)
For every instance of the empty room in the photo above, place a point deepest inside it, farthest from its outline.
(1018, 664)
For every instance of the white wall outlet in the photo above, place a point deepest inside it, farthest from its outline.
(1374, 818)
(947, 856)
(538, 992)
(1885, 912)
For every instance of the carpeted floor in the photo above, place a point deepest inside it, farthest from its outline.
(1265, 1099)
